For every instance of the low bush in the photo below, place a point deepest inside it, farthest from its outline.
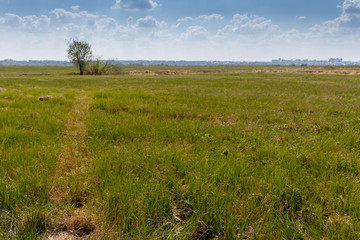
(99, 67)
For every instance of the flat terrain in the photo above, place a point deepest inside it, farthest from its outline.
(180, 153)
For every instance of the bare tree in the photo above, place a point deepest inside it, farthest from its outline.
(79, 53)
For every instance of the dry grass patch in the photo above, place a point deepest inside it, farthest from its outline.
(70, 187)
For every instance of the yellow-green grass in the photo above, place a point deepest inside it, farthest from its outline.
(220, 154)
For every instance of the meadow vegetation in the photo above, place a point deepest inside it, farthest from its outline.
(180, 153)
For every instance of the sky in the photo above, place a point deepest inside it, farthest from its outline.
(227, 30)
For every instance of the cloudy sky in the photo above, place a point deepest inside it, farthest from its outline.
(235, 30)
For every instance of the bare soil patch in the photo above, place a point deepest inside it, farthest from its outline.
(346, 70)
(168, 72)
(320, 70)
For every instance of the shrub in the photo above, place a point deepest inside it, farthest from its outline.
(99, 67)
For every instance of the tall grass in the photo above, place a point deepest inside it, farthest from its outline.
(217, 155)
(29, 130)
(260, 156)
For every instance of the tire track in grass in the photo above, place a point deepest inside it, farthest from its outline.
(71, 218)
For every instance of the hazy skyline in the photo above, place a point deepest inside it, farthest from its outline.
(234, 30)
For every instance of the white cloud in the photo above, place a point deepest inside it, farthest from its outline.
(136, 4)
(214, 16)
(75, 8)
(328, 27)
(194, 32)
(248, 24)
(211, 17)
(162, 34)
(28, 23)
(70, 24)
(185, 19)
(347, 22)
(107, 25)
(172, 26)
(149, 22)
(351, 7)
(243, 37)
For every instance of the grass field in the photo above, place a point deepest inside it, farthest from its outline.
(180, 153)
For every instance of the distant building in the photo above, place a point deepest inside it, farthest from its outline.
(335, 60)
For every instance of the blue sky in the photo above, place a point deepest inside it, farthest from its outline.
(234, 30)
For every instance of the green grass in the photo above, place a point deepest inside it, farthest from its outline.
(212, 155)
(29, 134)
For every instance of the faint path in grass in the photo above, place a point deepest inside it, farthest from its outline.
(70, 216)
(73, 151)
